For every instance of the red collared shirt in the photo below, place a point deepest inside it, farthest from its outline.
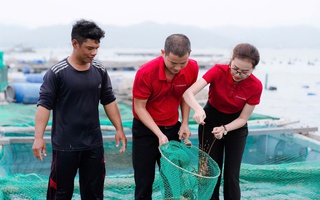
(228, 96)
(164, 96)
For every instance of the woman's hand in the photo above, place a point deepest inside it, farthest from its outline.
(218, 132)
(199, 116)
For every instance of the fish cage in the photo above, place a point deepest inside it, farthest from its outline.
(279, 161)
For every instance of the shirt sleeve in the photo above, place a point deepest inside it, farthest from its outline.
(107, 94)
(195, 71)
(48, 90)
(141, 86)
(211, 74)
(256, 96)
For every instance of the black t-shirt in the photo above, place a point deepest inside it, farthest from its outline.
(74, 98)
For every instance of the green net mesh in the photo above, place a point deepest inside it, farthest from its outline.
(22, 115)
(283, 165)
(268, 171)
(3, 73)
(186, 172)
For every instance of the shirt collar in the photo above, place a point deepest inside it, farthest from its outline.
(230, 79)
(162, 74)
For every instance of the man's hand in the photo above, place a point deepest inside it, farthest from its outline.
(184, 134)
(39, 148)
(163, 139)
(121, 137)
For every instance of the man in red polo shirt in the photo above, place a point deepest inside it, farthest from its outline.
(157, 95)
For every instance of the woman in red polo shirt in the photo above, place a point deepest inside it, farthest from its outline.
(233, 93)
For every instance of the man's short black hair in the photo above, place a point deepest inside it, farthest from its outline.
(84, 29)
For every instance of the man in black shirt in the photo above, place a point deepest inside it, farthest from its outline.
(72, 88)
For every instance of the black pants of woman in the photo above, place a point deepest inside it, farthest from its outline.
(227, 152)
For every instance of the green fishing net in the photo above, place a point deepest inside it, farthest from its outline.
(277, 165)
(186, 172)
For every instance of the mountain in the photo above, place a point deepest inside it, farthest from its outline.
(152, 35)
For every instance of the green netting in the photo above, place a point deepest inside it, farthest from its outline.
(264, 175)
(24, 177)
(257, 116)
(186, 172)
(3, 74)
(34, 187)
(280, 166)
(275, 166)
(22, 115)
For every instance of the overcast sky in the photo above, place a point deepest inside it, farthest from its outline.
(202, 13)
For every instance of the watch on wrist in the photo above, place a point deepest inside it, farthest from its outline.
(225, 130)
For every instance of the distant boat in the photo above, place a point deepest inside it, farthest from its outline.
(272, 88)
(311, 93)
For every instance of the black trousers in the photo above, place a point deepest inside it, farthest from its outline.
(145, 155)
(64, 167)
(227, 152)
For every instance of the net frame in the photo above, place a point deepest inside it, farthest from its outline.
(198, 182)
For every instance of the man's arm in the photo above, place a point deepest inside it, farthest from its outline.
(113, 113)
(147, 120)
(185, 111)
(185, 132)
(41, 121)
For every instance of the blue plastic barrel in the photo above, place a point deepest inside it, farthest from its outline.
(26, 93)
(34, 78)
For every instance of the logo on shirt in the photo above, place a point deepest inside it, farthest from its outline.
(181, 85)
(242, 98)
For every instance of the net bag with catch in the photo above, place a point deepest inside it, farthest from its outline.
(186, 172)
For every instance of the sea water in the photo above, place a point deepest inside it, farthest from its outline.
(296, 75)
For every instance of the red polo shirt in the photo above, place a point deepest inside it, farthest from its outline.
(227, 96)
(164, 96)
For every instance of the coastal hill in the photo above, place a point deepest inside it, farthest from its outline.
(152, 35)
